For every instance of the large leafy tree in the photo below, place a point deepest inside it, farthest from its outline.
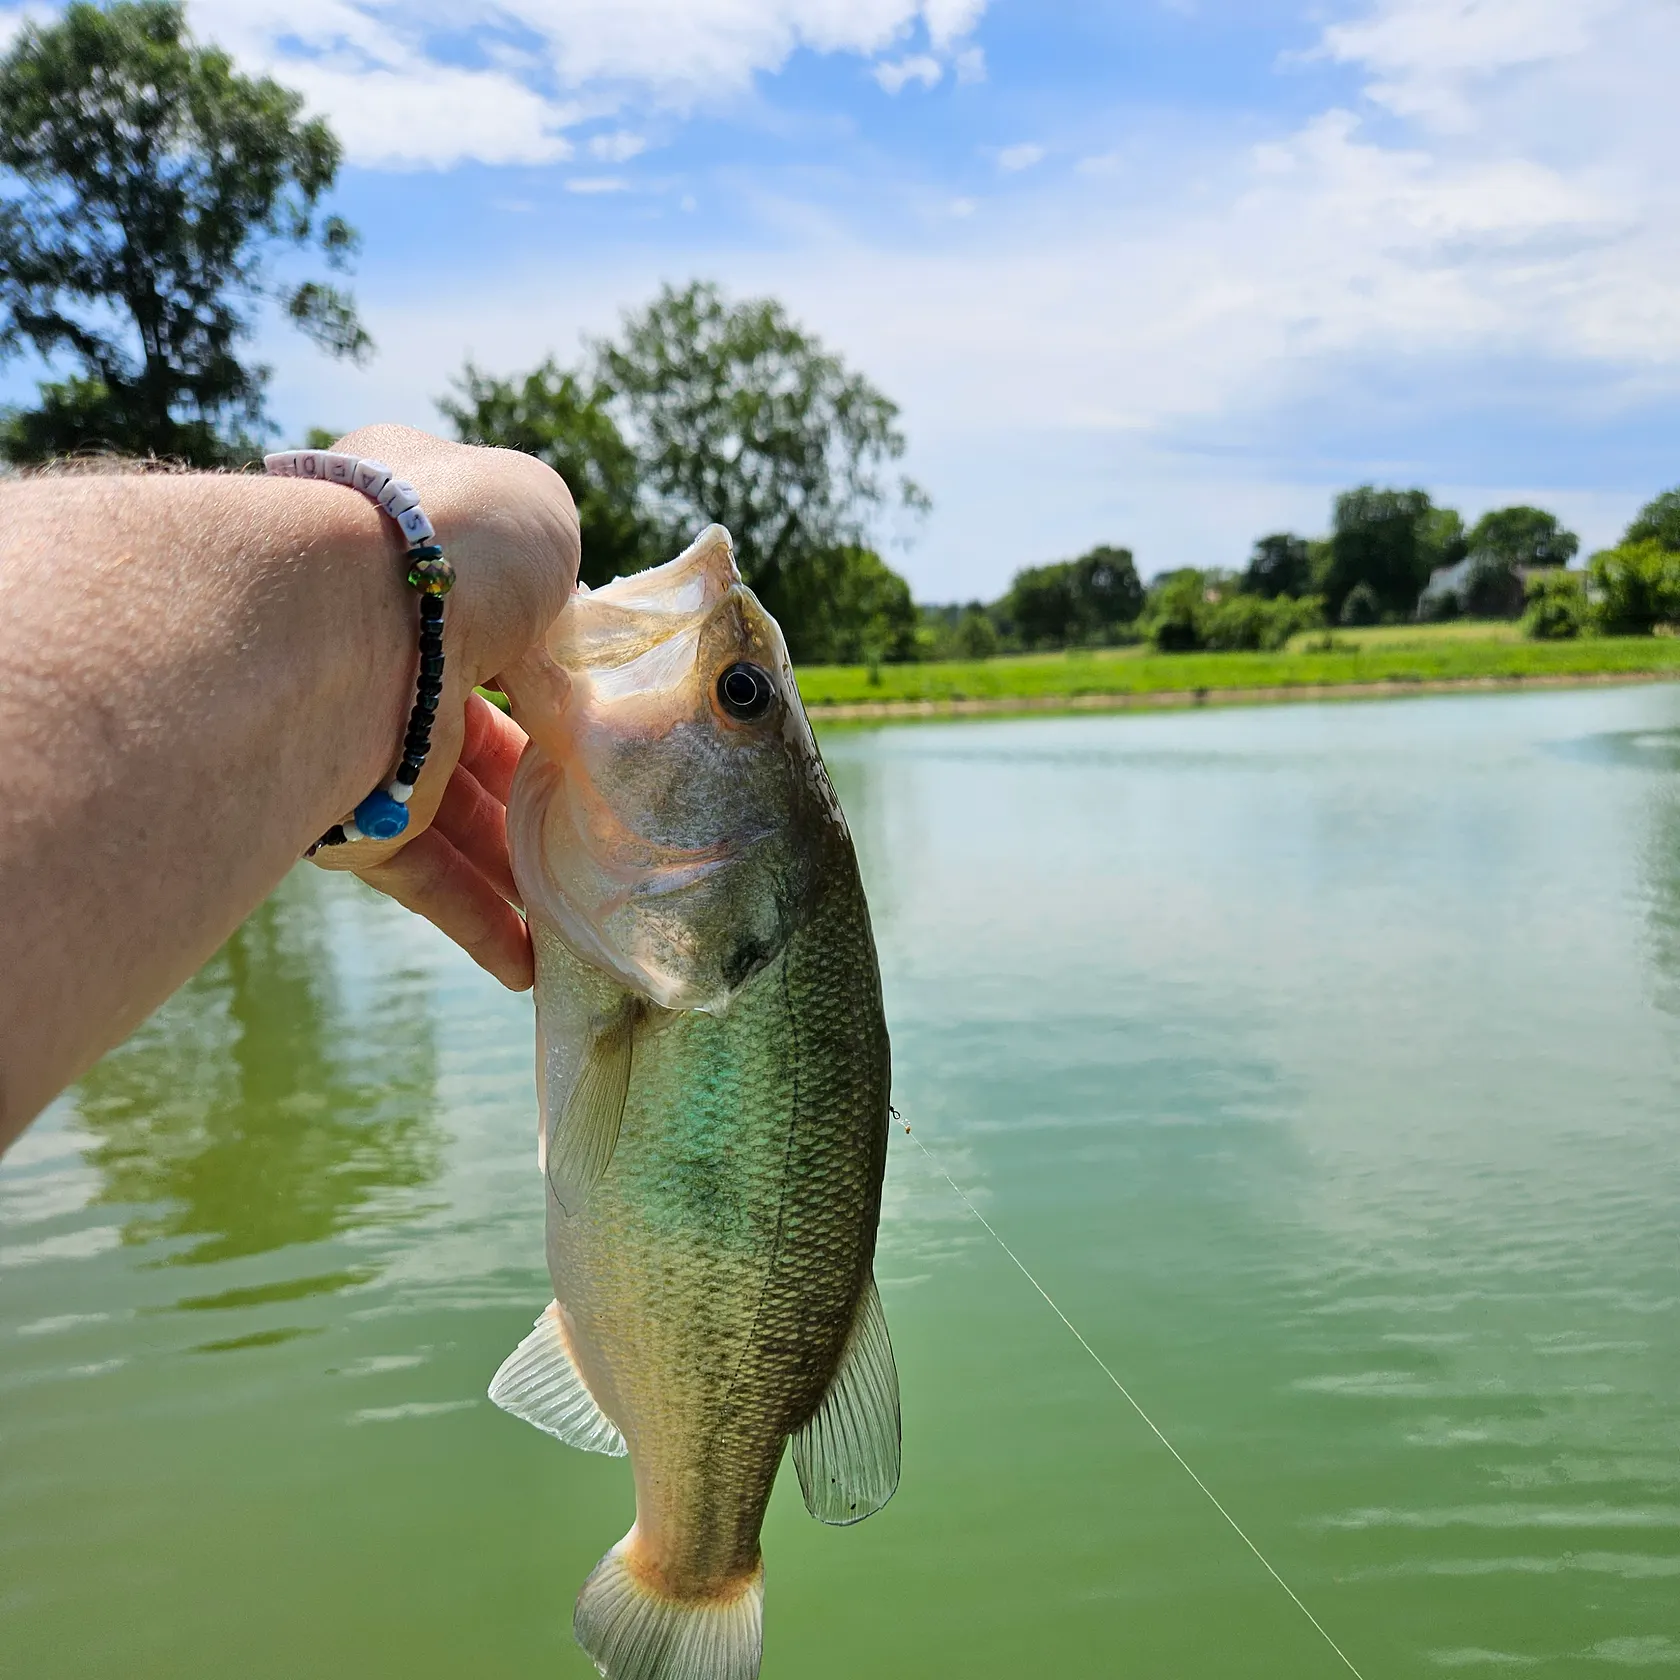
(1522, 536)
(143, 184)
(1385, 543)
(561, 417)
(739, 415)
(1073, 600)
(1658, 522)
(1281, 564)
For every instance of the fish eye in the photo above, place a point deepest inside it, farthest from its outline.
(745, 691)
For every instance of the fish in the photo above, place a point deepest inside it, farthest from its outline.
(714, 1080)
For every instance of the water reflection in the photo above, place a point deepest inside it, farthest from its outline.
(259, 1108)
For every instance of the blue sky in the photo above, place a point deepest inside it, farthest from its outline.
(1165, 273)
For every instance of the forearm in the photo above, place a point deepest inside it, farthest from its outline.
(197, 676)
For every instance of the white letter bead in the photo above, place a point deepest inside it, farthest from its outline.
(283, 464)
(339, 467)
(371, 477)
(309, 463)
(398, 497)
(415, 526)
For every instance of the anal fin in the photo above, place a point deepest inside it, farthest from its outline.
(540, 1382)
(847, 1455)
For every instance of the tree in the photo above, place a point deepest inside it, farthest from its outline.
(737, 414)
(1522, 536)
(143, 182)
(563, 419)
(1280, 565)
(851, 609)
(1658, 521)
(1389, 541)
(1073, 601)
(1637, 586)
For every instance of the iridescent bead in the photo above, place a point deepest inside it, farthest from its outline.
(432, 577)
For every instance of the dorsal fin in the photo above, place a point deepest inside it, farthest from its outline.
(847, 1456)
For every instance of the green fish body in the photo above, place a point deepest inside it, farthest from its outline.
(714, 1075)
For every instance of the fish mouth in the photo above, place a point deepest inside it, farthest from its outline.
(625, 632)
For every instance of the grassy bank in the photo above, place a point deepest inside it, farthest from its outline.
(1395, 654)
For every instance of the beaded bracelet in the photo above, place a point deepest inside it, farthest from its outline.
(384, 813)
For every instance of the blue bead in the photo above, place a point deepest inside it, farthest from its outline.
(380, 817)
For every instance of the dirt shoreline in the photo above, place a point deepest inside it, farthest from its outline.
(867, 711)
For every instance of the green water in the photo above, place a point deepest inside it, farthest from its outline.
(1322, 1061)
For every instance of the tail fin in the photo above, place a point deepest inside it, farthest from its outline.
(634, 1632)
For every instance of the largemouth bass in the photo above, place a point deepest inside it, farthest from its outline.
(713, 1069)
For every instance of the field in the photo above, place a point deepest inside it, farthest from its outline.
(1462, 653)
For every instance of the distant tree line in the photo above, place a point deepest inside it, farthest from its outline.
(1391, 556)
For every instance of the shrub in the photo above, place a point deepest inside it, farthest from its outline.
(1637, 586)
(1174, 614)
(1248, 622)
(1557, 606)
(1361, 606)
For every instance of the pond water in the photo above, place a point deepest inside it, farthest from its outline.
(1320, 1061)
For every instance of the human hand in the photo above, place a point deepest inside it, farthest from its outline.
(509, 527)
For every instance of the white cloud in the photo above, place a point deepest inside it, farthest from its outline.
(597, 184)
(895, 74)
(970, 65)
(1171, 353)
(1013, 159)
(1426, 56)
(618, 147)
(372, 70)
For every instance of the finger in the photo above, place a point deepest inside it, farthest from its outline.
(476, 826)
(432, 878)
(492, 746)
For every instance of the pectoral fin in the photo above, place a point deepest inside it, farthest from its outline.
(540, 1382)
(847, 1455)
(586, 1133)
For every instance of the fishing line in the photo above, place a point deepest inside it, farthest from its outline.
(1126, 1395)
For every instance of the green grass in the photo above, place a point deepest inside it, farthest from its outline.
(1392, 653)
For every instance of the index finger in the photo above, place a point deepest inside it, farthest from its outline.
(491, 747)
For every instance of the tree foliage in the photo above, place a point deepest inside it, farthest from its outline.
(1280, 565)
(1658, 521)
(1557, 606)
(1071, 601)
(1189, 610)
(1522, 536)
(562, 418)
(142, 183)
(1637, 585)
(1388, 541)
(851, 608)
(739, 415)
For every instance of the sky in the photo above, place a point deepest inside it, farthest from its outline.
(1159, 273)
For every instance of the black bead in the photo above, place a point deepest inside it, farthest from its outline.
(429, 685)
(431, 665)
(431, 646)
(427, 703)
(408, 774)
(431, 607)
